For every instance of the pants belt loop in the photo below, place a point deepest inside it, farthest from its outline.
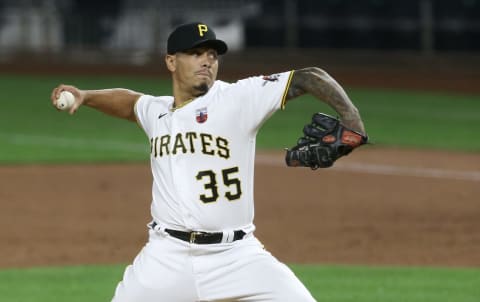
(156, 227)
(228, 236)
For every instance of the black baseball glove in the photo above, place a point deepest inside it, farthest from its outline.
(325, 141)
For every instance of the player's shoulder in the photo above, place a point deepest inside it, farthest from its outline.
(250, 85)
(222, 86)
(246, 85)
(262, 80)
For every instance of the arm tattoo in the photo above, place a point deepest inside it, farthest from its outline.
(318, 83)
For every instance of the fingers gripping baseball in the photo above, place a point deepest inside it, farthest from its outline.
(325, 140)
(67, 98)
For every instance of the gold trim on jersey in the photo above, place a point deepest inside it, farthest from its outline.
(181, 105)
(284, 97)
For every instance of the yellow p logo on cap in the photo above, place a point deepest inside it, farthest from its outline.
(202, 28)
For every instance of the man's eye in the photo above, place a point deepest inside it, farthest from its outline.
(193, 52)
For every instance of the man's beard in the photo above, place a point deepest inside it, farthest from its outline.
(201, 89)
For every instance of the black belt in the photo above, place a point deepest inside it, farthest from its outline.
(201, 237)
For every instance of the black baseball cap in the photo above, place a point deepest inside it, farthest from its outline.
(191, 35)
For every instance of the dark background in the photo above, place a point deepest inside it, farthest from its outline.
(426, 26)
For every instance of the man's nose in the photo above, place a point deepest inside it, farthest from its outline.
(206, 61)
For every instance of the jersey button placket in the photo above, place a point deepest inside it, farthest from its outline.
(176, 167)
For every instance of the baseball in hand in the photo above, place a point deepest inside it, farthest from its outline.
(65, 101)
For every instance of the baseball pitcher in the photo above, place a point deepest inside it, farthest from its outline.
(201, 243)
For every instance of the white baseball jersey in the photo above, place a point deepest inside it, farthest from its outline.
(202, 154)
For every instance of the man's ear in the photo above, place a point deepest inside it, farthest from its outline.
(170, 61)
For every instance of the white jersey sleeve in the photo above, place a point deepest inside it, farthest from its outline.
(261, 96)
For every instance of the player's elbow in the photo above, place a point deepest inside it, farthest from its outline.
(309, 78)
(314, 73)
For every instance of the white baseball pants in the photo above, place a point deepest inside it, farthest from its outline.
(170, 270)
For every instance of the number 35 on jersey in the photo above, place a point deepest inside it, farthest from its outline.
(228, 178)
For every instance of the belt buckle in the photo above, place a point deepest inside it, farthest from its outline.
(193, 236)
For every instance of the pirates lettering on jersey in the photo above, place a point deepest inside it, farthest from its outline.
(189, 142)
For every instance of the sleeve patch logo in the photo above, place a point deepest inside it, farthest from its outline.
(270, 78)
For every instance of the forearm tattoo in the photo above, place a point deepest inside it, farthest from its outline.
(318, 83)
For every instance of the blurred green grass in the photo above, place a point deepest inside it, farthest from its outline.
(32, 131)
(326, 283)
